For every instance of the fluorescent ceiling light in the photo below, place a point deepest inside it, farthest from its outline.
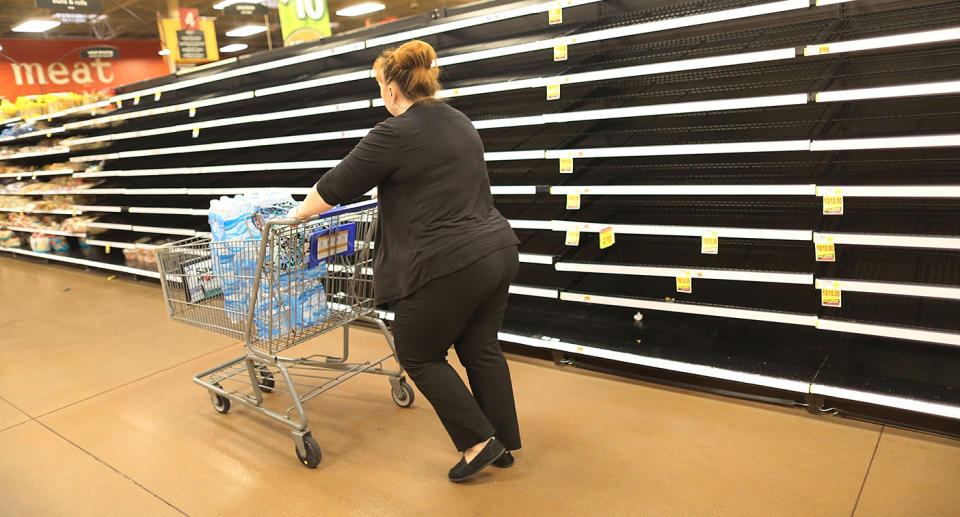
(361, 9)
(234, 47)
(915, 38)
(227, 3)
(246, 30)
(36, 25)
(907, 90)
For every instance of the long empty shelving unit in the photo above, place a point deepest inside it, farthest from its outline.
(712, 139)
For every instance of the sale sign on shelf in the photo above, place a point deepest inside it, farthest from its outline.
(39, 66)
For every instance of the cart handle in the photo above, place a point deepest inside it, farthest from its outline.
(338, 210)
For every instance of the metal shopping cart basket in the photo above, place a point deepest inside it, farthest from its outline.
(292, 284)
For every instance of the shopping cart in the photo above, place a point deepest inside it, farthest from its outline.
(297, 281)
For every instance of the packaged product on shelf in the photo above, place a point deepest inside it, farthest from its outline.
(40, 242)
(79, 223)
(59, 243)
(9, 239)
(132, 254)
(18, 129)
(15, 202)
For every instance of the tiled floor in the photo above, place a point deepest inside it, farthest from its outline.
(98, 416)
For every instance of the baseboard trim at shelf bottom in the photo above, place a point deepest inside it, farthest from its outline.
(84, 262)
(801, 387)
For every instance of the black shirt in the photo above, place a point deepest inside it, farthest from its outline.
(435, 207)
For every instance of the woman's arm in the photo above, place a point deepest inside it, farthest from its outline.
(312, 205)
(364, 168)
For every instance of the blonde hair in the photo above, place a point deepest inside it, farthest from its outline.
(413, 66)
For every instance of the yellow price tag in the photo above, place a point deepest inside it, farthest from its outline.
(192, 112)
(119, 104)
(684, 284)
(573, 201)
(826, 252)
(156, 97)
(196, 132)
(136, 100)
(107, 248)
(49, 135)
(607, 238)
(74, 212)
(830, 297)
(19, 177)
(566, 165)
(823, 49)
(555, 15)
(573, 238)
(553, 91)
(560, 53)
(710, 244)
(34, 177)
(832, 205)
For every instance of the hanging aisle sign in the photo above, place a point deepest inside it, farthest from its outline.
(303, 20)
(246, 10)
(190, 46)
(71, 6)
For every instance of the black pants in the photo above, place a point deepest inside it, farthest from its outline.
(465, 309)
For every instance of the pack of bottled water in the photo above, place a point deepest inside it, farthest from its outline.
(298, 299)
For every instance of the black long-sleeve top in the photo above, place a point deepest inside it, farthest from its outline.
(435, 207)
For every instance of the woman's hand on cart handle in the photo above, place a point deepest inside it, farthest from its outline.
(294, 213)
(311, 206)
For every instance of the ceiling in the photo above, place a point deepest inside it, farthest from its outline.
(137, 19)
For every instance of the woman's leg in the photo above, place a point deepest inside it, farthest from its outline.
(425, 325)
(479, 351)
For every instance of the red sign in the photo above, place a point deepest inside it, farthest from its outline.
(189, 19)
(37, 66)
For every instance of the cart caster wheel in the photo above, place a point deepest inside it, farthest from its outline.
(403, 397)
(220, 403)
(312, 458)
(265, 377)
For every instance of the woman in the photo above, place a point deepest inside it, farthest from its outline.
(444, 257)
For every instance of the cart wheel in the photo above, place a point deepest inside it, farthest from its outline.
(312, 458)
(220, 403)
(266, 379)
(403, 397)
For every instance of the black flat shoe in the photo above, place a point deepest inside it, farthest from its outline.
(491, 452)
(505, 461)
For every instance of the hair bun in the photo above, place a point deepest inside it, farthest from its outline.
(415, 54)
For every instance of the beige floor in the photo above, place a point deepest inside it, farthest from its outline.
(98, 416)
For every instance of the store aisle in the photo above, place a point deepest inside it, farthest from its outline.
(98, 416)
